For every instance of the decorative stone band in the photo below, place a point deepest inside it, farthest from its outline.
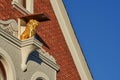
(10, 26)
(17, 41)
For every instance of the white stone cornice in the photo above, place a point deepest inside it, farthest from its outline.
(18, 42)
(26, 47)
(48, 59)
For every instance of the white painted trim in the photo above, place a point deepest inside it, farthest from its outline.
(48, 59)
(71, 39)
(20, 8)
(39, 75)
(30, 6)
(8, 64)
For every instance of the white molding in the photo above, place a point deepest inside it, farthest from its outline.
(20, 8)
(8, 64)
(71, 39)
(26, 47)
(30, 6)
(48, 59)
(18, 4)
(39, 75)
(25, 52)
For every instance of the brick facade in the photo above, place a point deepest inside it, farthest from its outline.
(51, 33)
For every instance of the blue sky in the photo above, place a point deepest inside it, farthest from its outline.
(97, 27)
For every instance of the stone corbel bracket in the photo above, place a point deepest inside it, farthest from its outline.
(27, 46)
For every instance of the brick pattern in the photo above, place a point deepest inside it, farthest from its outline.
(7, 11)
(50, 32)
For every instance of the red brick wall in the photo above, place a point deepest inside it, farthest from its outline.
(50, 32)
(7, 11)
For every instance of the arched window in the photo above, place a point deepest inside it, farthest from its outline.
(40, 78)
(2, 72)
(7, 69)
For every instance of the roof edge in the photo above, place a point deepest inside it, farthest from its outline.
(71, 39)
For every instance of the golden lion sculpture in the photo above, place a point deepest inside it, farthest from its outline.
(30, 29)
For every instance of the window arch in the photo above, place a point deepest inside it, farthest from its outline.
(7, 66)
(2, 72)
(39, 76)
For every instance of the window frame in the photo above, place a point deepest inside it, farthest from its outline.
(19, 5)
